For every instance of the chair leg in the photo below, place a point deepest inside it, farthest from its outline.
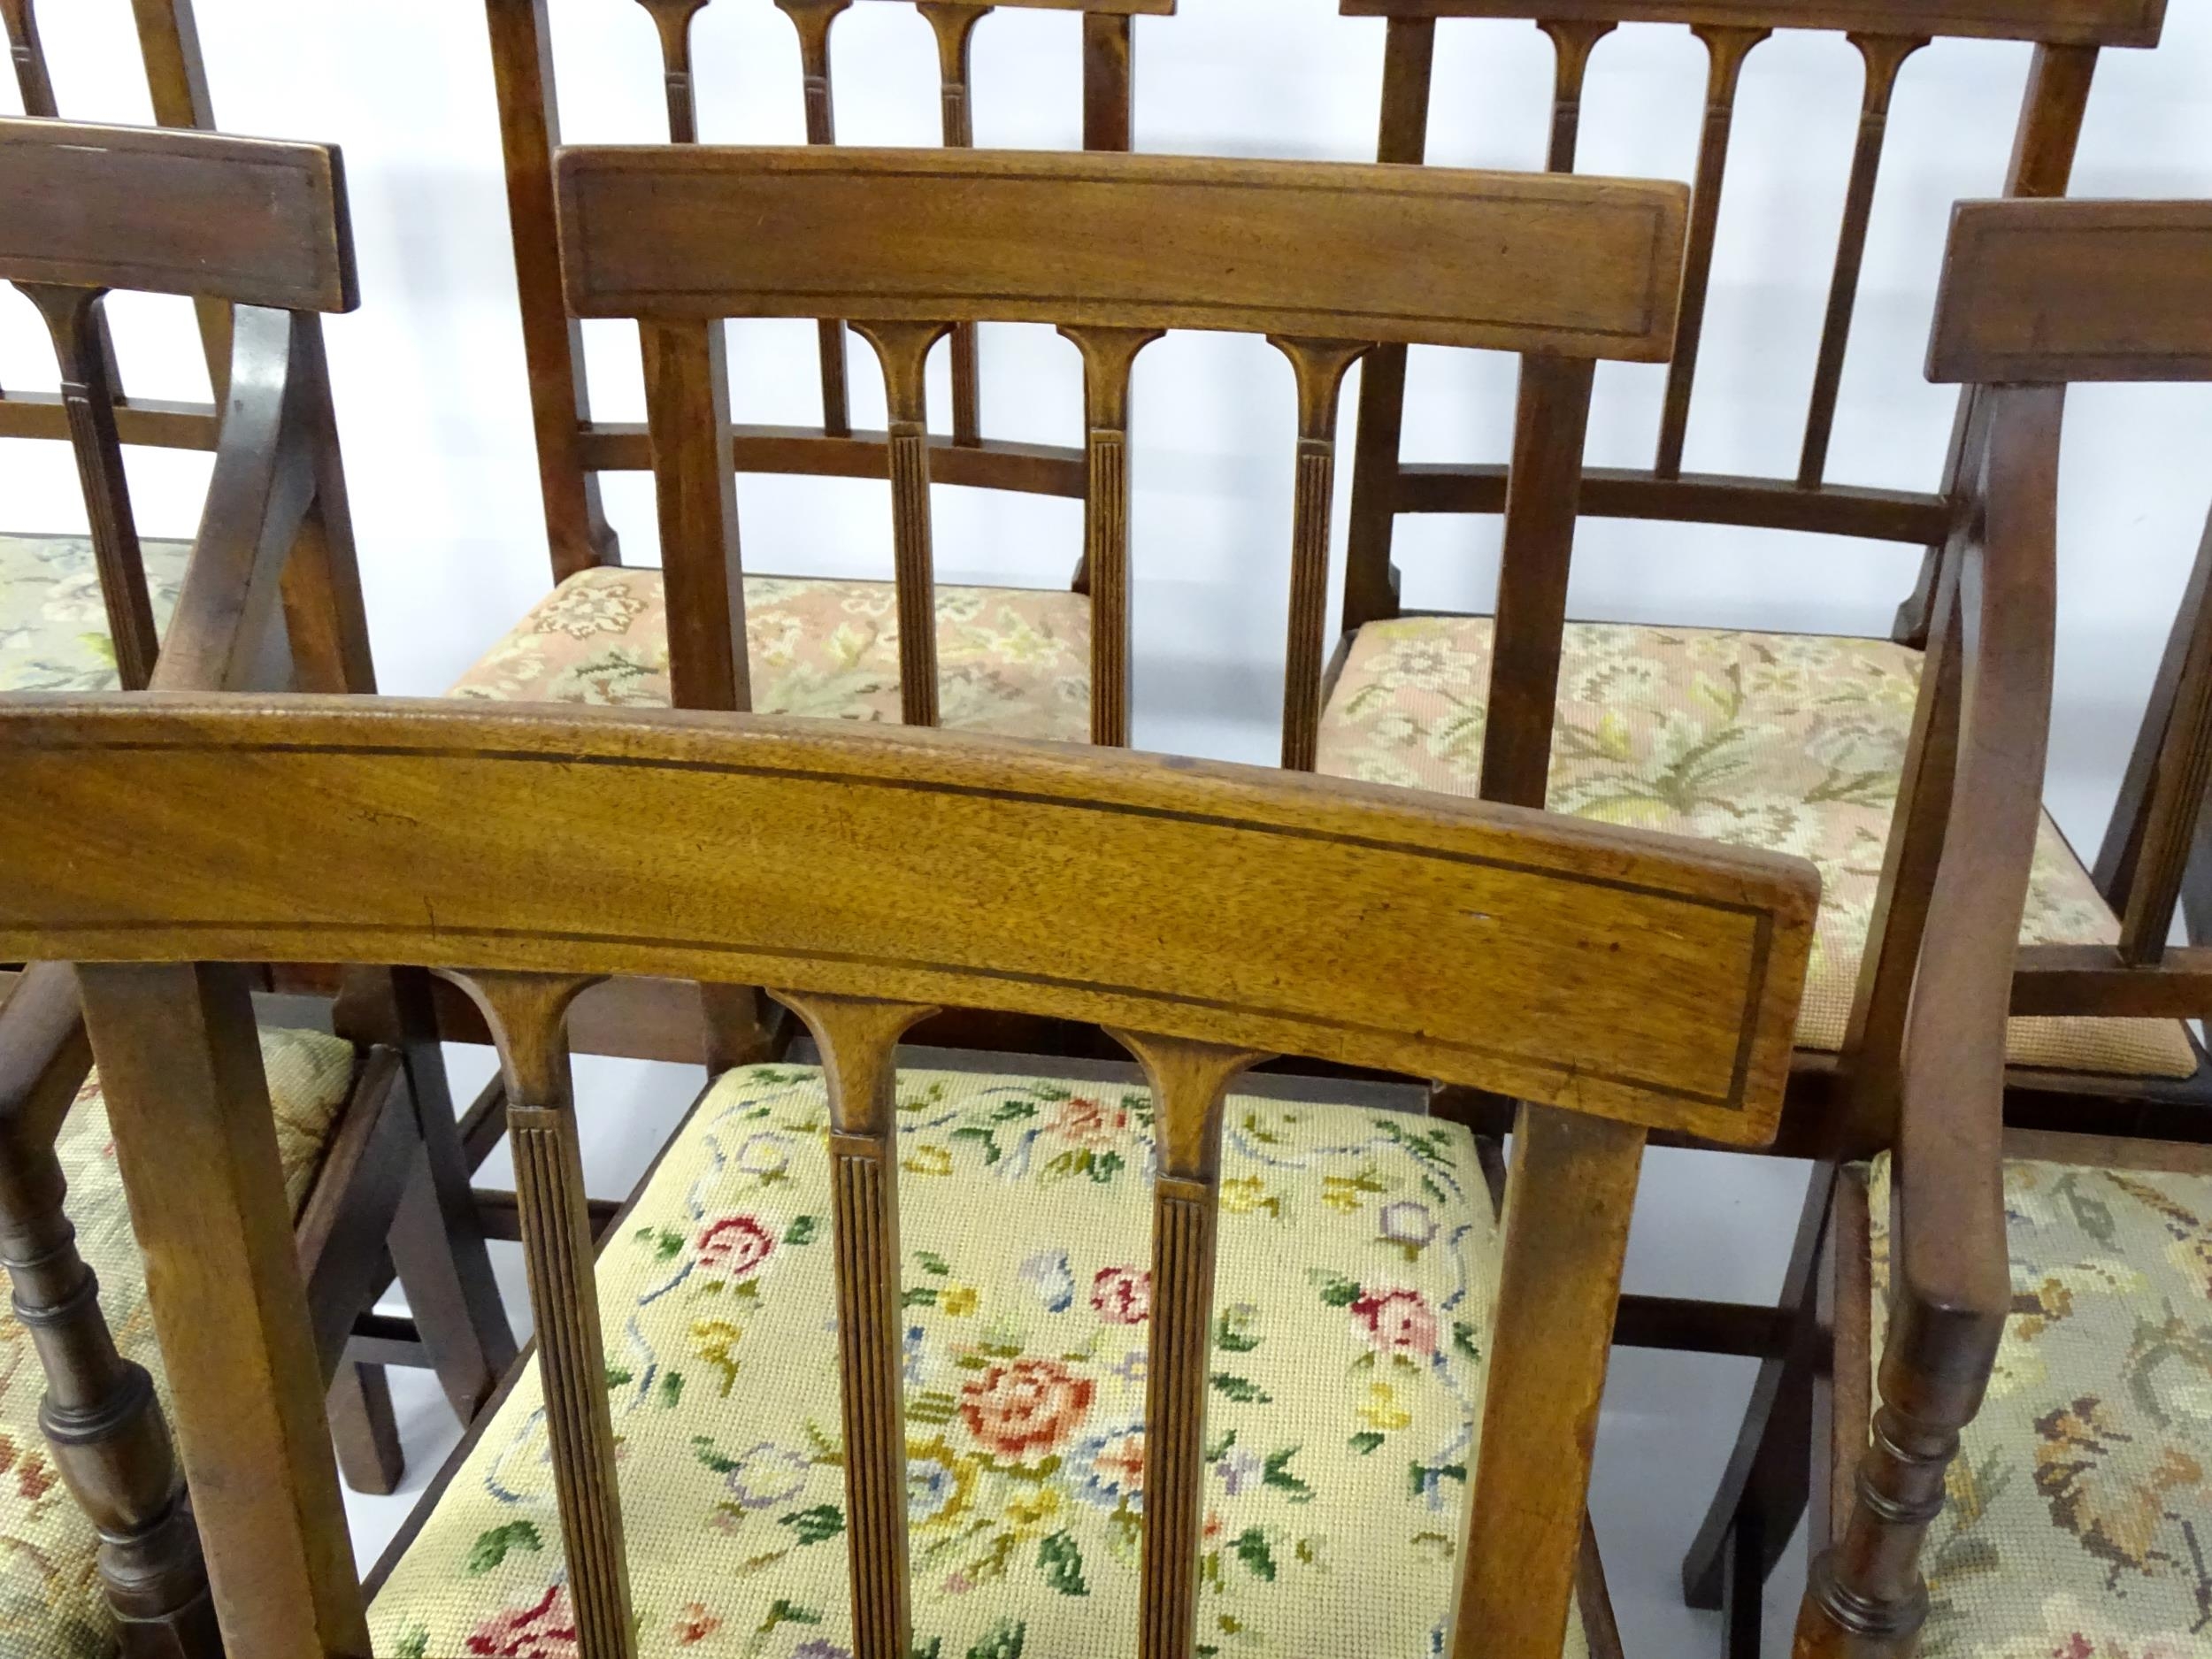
(103, 1425)
(1771, 1472)
(365, 1432)
(1743, 1588)
(469, 1358)
(437, 1239)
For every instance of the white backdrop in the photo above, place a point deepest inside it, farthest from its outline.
(432, 398)
(432, 405)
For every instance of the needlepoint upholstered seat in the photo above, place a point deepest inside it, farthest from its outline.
(1357, 1274)
(53, 621)
(1012, 661)
(2079, 1510)
(1794, 742)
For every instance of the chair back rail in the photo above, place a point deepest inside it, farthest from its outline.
(254, 224)
(1618, 981)
(1886, 33)
(1324, 260)
(573, 448)
(169, 45)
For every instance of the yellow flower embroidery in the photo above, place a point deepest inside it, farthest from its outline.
(927, 1160)
(1245, 1195)
(959, 1301)
(1382, 1410)
(715, 1341)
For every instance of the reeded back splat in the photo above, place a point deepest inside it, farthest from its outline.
(1325, 260)
(1622, 981)
(2069, 36)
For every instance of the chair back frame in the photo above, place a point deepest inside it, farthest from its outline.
(2068, 38)
(1615, 980)
(2036, 296)
(573, 448)
(1323, 259)
(169, 44)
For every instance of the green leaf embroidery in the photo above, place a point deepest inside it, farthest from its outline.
(983, 1137)
(672, 1388)
(928, 1649)
(619, 1377)
(1105, 1167)
(1463, 1339)
(702, 1449)
(494, 1546)
(1337, 1291)
(803, 1230)
(1277, 1474)
(1425, 1475)
(1003, 1640)
(1060, 1558)
(1241, 1390)
(1365, 1441)
(1250, 1547)
(783, 1612)
(414, 1644)
(1222, 1448)
(823, 1520)
(1232, 1331)
(918, 1297)
(932, 1263)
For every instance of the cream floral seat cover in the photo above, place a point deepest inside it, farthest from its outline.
(53, 622)
(2078, 1520)
(1358, 1261)
(1013, 661)
(51, 1602)
(1793, 743)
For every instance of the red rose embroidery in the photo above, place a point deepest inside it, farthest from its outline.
(1122, 1296)
(1030, 1406)
(694, 1623)
(1398, 1322)
(735, 1246)
(547, 1631)
(1090, 1123)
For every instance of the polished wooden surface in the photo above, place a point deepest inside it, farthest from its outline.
(1489, 260)
(1619, 1045)
(255, 222)
(2069, 22)
(2102, 291)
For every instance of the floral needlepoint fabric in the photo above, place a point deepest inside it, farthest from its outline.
(51, 1602)
(53, 621)
(1013, 661)
(1358, 1258)
(2078, 1519)
(1793, 743)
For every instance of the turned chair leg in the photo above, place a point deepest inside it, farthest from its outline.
(109, 1441)
(1864, 1597)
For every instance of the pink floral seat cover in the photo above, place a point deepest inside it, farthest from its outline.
(1013, 661)
(1794, 742)
(1358, 1261)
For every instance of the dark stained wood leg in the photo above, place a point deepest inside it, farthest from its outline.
(104, 1427)
(469, 1361)
(1743, 1587)
(364, 1430)
(1770, 1473)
